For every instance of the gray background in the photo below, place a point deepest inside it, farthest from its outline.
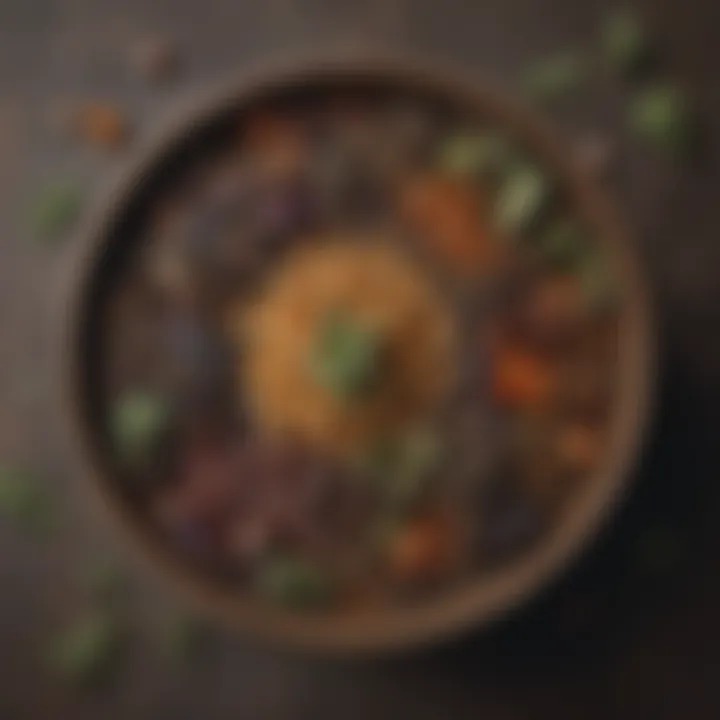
(610, 641)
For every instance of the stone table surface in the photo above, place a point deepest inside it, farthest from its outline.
(633, 632)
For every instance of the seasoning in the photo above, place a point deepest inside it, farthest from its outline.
(292, 582)
(346, 357)
(87, 649)
(624, 41)
(136, 422)
(521, 199)
(659, 114)
(103, 125)
(55, 209)
(556, 77)
(22, 500)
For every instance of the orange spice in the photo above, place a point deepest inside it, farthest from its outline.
(102, 125)
(520, 378)
(448, 214)
(423, 549)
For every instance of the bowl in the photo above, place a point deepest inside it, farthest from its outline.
(100, 252)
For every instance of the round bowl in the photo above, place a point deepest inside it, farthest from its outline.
(490, 596)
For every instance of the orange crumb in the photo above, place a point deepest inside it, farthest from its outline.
(422, 550)
(521, 378)
(102, 125)
(448, 214)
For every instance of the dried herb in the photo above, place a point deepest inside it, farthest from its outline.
(624, 41)
(184, 636)
(521, 200)
(402, 468)
(562, 244)
(556, 77)
(474, 155)
(659, 114)
(87, 649)
(23, 501)
(137, 421)
(103, 580)
(292, 582)
(346, 356)
(55, 209)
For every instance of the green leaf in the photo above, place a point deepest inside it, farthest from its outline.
(87, 649)
(292, 582)
(474, 154)
(521, 199)
(345, 359)
(597, 282)
(137, 421)
(555, 77)
(22, 500)
(402, 468)
(562, 244)
(624, 41)
(184, 636)
(104, 580)
(659, 115)
(55, 209)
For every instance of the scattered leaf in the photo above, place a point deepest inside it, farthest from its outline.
(23, 501)
(521, 200)
(402, 468)
(104, 580)
(555, 77)
(346, 356)
(562, 244)
(55, 210)
(137, 421)
(87, 649)
(597, 283)
(292, 582)
(419, 457)
(624, 41)
(184, 636)
(659, 114)
(474, 155)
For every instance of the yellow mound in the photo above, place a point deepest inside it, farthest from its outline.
(385, 293)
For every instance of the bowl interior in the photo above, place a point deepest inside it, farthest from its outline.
(114, 238)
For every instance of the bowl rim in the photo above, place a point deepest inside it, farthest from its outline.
(482, 601)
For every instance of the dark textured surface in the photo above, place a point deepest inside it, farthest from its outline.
(610, 641)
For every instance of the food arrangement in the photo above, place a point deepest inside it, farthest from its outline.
(362, 351)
